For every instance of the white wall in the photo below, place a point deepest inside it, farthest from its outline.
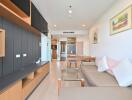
(117, 46)
(85, 41)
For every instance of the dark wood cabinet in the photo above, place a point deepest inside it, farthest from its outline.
(24, 5)
(24, 48)
(17, 48)
(0, 67)
(37, 20)
(21, 48)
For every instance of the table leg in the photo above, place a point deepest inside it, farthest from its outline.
(70, 64)
(76, 64)
(82, 82)
(59, 86)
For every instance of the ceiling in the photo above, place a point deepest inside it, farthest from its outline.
(83, 12)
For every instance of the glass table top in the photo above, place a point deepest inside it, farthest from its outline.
(71, 74)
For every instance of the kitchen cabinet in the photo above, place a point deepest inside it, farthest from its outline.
(24, 5)
(37, 20)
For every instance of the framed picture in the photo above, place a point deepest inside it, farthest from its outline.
(122, 21)
(95, 38)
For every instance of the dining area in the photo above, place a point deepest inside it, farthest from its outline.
(76, 61)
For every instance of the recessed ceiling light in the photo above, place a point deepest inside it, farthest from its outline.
(55, 25)
(70, 11)
(83, 25)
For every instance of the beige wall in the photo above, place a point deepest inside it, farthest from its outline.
(85, 41)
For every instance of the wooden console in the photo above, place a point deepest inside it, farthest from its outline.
(23, 88)
(28, 85)
(13, 92)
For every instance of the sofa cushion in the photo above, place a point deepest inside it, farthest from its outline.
(95, 78)
(86, 69)
(101, 79)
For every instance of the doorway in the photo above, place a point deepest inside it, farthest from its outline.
(63, 51)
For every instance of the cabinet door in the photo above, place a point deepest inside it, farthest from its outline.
(0, 67)
(34, 48)
(36, 18)
(8, 59)
(24, 48)
(0, 57)
(17, 48)
(0, 22)
(24, 5)
(30, 49)
(39, 46)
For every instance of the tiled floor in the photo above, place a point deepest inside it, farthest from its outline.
(48, 89)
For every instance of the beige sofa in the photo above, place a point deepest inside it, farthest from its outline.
(95, 78)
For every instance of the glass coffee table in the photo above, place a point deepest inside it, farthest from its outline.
(70, 75)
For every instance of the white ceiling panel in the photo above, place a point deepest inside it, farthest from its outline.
(84, 12)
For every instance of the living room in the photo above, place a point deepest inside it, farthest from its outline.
(65, 50)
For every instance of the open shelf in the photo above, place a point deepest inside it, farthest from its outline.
(28, 84)
(25, 82)
(36, 74)
(24, 22)
(2, 43)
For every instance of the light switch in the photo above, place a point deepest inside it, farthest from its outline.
(24, 55)
(18, 56)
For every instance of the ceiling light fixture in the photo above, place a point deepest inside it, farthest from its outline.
(70, 11)
(83, 25)
(55, 25)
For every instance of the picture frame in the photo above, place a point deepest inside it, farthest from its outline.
(95, 38)
(122, 21)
